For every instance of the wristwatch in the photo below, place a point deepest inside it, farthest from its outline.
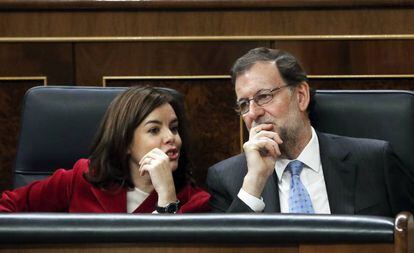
(170, 208)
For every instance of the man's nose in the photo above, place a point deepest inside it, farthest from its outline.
(255, 111)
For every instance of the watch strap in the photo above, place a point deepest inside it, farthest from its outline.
(170, 208)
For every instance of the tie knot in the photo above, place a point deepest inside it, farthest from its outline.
(295, 167)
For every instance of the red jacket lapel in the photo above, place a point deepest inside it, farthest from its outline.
(112, 201)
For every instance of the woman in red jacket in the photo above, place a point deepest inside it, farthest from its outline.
(138, 164)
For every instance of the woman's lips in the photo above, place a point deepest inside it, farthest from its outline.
(173, 154)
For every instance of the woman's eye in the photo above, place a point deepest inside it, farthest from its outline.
(174, 129)
(153, 130)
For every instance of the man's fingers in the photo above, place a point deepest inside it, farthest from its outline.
(271, 135)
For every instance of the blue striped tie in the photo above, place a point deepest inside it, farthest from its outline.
(299, 200)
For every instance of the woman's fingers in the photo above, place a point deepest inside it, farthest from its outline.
(154, 154)
(154, 159)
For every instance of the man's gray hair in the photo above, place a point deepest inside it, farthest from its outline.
(289, 67)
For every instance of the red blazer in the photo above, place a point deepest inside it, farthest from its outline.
(68, 191)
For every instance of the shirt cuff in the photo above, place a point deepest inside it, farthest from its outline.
(251, 201)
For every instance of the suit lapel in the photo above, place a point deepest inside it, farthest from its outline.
(271, 194)
(339, 175)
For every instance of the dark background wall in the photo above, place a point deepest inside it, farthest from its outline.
(190, 46)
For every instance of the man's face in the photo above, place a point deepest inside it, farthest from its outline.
(282, 111)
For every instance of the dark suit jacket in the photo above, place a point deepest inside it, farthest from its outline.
(68, 191)
(362, 176)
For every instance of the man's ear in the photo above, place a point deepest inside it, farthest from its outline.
(303, 96)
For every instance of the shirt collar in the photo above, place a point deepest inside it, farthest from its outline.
(309, 156)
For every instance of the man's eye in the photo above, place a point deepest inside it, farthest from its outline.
(243, 104)
(264, 96)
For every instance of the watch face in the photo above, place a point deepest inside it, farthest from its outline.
(171, 208)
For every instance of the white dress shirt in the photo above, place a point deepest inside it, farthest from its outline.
(311, 177)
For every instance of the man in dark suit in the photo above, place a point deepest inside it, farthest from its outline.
(289, 167)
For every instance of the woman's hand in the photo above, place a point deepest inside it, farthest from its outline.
(157, 164)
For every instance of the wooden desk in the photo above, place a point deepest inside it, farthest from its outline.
(205, 233)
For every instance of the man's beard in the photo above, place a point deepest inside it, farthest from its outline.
(290, 140)
(289, 133)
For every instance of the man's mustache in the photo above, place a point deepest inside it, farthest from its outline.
(260, 122)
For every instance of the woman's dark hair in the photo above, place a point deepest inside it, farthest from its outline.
(109, 159)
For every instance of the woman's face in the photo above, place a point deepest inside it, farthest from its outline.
(158, 130)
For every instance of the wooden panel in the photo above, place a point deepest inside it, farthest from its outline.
(404, 233)
(214, 125)
(362, 83)
(53, 60)
(122, 248)
(270, 21)
(11, 97)
(352, 57)
(348, 248)
(95, 60)
(191, 4)
(328, 57)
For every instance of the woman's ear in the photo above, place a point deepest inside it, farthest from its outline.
(303, 96)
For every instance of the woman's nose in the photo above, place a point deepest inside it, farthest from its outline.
(169, 136)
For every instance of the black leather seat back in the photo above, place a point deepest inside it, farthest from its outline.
(378, 114)
(58, 125)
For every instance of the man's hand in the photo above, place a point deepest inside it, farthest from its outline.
(262, 150)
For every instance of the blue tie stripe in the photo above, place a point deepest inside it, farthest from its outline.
(299, 200)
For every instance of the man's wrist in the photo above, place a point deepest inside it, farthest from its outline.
(256, 204)
(254, 185)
